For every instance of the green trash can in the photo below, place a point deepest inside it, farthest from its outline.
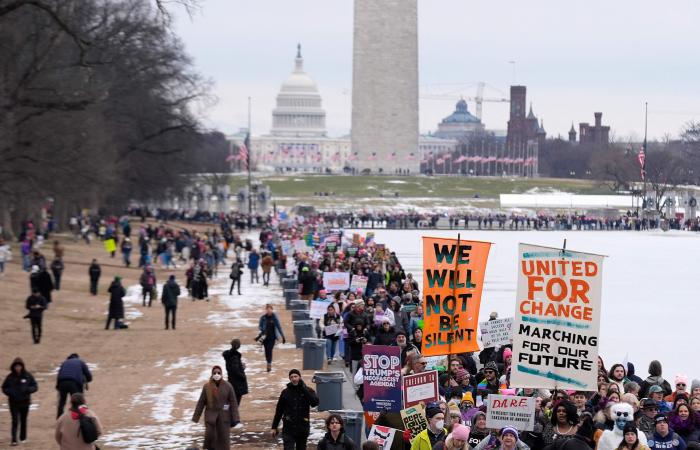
(314, 352)
(329, 387)
(354, 425)
(302, 329)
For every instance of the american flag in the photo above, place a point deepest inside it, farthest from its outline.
(243, 154)
(411, 157)
(333, 236)
(447, 156)
(393, 155)
(372, 157)
(352, 157)
(641, 157)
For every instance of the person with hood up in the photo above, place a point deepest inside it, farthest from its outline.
(116, 303)
(436, 431)
(456, 440)
(335, 438)
(94, 271)
(67, 433)
(19, 385)
(36, 304)
(508, 440)
(218, 403)
(654, 379)
(235, 370)
(171, 291)
(631, 374)
(293, 407)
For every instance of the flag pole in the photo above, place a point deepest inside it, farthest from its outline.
(250, 184)
(644, 147)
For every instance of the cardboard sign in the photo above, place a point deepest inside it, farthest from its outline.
(381, 369)
(332, 330)
(420, 387)
(557, 319)
(358, 282)
(453, 279)
(336, 281)
(496, 332)
(383, 436)
(381, 251)
(319, 308)
(507, 410)
(414, 419)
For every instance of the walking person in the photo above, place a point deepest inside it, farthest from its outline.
(335, 438)
(171, 291)
(332, 325)
(126, 248)
(253, 264)
(40, 280)
(235, 276)
(235, 370)
(73, 376)
(116, 303)
(293, 410)
(19, 385)
(69, 435)
(94, 271)
(36, 304)
(270, 331)
(266, 264)
(5, 255)
(57, 271)
(148, 285)
(218, 402)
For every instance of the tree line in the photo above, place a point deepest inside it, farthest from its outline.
(99, 106)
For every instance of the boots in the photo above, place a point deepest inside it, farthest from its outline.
(269, 367)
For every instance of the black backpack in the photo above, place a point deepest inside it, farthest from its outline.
(88, 429)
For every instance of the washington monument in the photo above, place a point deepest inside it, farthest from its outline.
(385, 86)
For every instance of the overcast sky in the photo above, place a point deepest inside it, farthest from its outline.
(574, 57)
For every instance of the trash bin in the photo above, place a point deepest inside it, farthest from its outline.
(329, 387)
(290, 283)
(354, 425)
(300, 314)
(298, 304)
(314, 352)
(303, 329)
(289, 295)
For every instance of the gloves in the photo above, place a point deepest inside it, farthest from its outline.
(407, 435)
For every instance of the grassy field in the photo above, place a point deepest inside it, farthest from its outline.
(416, 187)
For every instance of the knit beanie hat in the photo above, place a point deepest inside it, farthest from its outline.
(460, 432)
(294, 371)
(682, 378)
(695, 384)
(461, 375)
(454, 409)
(468, 397)
(507, 352)
(510, 430)
(491, 366)
(431, 411)
(629, 428)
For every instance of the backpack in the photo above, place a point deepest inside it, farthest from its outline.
(87, 428)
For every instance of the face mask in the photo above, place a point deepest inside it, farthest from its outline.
(440, 424)
(216, 376)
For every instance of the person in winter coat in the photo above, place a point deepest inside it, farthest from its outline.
(436, 431)
(266, 264)
(148, 285)
(57, 270)
(116, 303)
(456, 440)
(19, 385)
(335, 438)
(218, 402)
(235, 370)
(67, 433)
(292, 409)
(508, 440)
(72, 377)
(253, 264)
(307, 282)
(126, 248)
(357, 338)
(385, 334)
(36, 304)
(94, 271)
(663, 438)
(171, 291)
(235, 276)
(654, 378)
(41, 281)
(685, 422)
(331, 319)
(478, 430)
(270, 330)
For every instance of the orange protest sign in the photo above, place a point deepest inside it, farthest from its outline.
(453, 279)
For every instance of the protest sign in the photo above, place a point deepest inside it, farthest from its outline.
(383, 436)
(420, 387)
(453, 279)
(332, 330)
(331, 246)
(336, 281)
(512, 411)
(352, 251)
(381, 369)
(358, 282)
(496, 332)
(380, 253)
(434, 362)
(557, 319)
(319, 308)
(301, 247)
(287, 248)
(414, 419)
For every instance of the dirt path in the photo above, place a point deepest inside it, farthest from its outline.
(146, 379)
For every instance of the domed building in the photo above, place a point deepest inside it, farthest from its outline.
(461, 123)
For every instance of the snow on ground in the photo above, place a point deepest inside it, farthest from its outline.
(649, 287)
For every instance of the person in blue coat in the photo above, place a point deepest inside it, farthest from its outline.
(270, 331)
(253, 264)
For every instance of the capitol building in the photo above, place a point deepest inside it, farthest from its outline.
(298, 141)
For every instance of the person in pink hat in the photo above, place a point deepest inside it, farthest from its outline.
(457, 440)
(681, 387)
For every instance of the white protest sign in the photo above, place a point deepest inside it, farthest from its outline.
(336, 281)
(512, 411)
(496, 332)
(435, 361)
(332, 330)
(358, 282)
(557, 319)
(383, 436)
(287, 248)
(319, 308)
(420, 387)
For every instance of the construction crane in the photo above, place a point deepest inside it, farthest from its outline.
(478, 99)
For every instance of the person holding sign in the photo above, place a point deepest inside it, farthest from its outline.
(330, 327)
(436, 431)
